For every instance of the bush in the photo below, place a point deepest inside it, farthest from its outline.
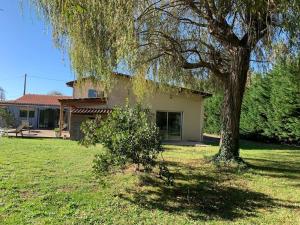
(212, 114)
(129, 136)
(6, 119)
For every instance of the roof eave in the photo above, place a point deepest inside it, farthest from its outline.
(26, 104)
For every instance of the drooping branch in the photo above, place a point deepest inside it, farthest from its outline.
(175, 48)
(217, 25)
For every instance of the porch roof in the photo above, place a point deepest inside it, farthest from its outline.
(77, 102)
(90, 111)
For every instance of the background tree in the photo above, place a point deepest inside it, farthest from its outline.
(212, 114)
(255, 108)
(271, 107)
(2, 94)
(175, 42)
(55, 93)
(284, 105)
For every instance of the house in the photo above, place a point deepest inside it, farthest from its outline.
(41, 111)
(179, 113)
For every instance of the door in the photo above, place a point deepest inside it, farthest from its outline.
(170, 125)
(174, 126)
(48, 118)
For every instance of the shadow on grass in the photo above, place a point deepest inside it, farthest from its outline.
(251, 145)
(210, 140)
(202, 197)
(287, 168)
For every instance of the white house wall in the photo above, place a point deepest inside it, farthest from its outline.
(191, 105)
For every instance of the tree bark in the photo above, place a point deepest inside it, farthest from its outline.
(234, 87)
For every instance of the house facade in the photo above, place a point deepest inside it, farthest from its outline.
(40, 111)
(178, 114)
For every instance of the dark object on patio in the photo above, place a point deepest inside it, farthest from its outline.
(19, 129)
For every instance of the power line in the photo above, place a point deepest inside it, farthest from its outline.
(34, 77)
(45, 78)
(10, 78)
(31, 76)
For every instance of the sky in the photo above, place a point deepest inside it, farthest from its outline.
(26, 47)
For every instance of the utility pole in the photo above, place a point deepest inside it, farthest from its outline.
(25, 79)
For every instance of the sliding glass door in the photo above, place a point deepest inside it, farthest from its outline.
(170, 125)
(48, 118)
(162, 123)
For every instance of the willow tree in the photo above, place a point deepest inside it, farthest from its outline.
(176, 41)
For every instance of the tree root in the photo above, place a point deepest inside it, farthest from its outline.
(229, 161)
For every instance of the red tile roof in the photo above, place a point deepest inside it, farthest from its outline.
(33, 99)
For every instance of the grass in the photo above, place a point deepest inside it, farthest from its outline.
(46, 181)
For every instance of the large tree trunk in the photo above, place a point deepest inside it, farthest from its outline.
(234, 87)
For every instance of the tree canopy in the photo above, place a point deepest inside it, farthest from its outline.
(168, 37)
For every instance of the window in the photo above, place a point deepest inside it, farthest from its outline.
(170, 125)
(23, 113)
(31, 114)
(92, 93)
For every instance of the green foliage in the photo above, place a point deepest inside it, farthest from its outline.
(254, 116)
(104, 163)
(177, 42)
(284, 110)
(89, 129)
(212, 114)
(6, 119)
(129, 136)
(271, 107)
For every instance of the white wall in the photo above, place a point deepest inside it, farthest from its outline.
(190, 104)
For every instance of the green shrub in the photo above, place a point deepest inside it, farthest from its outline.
(255, 107)
(6, 119)
(212, 114)
(129, 136)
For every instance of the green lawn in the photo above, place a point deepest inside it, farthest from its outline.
(51, 182)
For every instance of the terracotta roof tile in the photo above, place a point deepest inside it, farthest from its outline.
(34, 99)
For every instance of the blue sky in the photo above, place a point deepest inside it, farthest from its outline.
(26, 47)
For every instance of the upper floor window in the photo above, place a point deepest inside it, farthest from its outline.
(92, 93)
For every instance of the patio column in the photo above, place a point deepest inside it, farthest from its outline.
(61, 118)
(70, 115)
(27, 114)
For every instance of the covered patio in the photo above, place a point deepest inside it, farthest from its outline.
(82, 106)
(37, 111)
